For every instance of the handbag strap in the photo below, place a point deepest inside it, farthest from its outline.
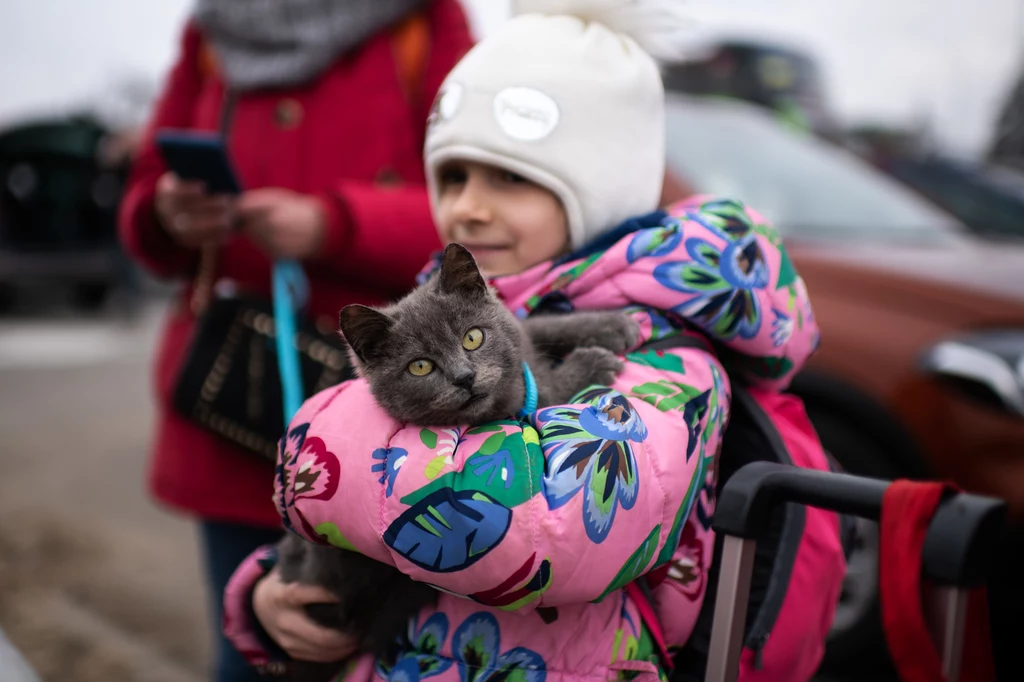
(202, 289)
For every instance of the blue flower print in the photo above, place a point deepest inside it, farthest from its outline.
(476, 646)
(588, 448)
(389, 461)
(422, 649)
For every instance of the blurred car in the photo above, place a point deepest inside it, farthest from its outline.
(921, 368)
(58, 206)
(781, 78)
(988, 199)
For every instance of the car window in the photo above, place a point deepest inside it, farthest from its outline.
(807, 187)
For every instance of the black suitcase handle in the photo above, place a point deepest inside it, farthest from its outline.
(958, 548)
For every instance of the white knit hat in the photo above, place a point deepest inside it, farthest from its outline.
(568, 95)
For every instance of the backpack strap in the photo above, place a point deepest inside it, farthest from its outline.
(410, 44)
(640, 592)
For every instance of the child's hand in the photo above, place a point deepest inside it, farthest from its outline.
(280, 609)
(283, 223)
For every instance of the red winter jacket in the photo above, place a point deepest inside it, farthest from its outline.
(351, 138)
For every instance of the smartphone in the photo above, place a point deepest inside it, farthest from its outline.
(199, 156)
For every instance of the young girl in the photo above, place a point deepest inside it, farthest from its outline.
(545, 158)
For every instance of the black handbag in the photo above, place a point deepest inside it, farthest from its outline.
(230, 384)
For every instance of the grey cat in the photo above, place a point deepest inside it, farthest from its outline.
(449, 353)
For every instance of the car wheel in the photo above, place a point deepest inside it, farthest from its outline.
(8, 297)
(91, 296)
(856, 636)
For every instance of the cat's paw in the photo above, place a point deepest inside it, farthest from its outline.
(620, 333)
(588, 366)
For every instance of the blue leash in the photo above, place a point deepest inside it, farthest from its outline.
(291, 291)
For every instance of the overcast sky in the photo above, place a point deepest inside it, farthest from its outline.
(948, 62)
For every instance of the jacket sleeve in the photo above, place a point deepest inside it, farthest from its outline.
(239, 624)
(722, 267)
(383, 235)
(563, 509)
(140, 232)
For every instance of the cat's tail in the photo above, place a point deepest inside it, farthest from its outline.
(657, 26)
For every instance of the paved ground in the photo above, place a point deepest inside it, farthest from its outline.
(95, 582)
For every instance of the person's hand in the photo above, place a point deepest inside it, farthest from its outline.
(279, 608)
(190, 215)
(283, 223)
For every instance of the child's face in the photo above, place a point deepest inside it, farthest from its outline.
(508, 223)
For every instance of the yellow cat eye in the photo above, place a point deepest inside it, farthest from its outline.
(473, 339)
(421, 368)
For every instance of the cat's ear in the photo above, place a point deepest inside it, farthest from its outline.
(365, 330)
(459, 273)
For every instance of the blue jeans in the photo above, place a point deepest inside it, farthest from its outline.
(225, 546)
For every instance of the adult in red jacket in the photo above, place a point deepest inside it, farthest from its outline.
(326, 133)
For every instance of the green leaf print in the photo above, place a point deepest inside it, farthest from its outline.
(433, 468)
(665, 395)
(508, 467)
(770, 233)
(654, 388)
(574, 272)
(768, 368)
(696, 483)
(629, 651)
(492, 444)
(429, 438)
(658, 360)
(487, 428)
(330, 532)
(787, 273)
(636, 564)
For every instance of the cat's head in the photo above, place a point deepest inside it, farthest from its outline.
(448, 353)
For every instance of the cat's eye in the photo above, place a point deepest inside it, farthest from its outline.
(421, 368)
(473, 339)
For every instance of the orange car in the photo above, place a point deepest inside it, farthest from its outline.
(921, 368)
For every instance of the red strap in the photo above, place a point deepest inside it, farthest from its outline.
(907, 509)
(650, 619)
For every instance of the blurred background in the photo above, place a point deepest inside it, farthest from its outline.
(884, 137)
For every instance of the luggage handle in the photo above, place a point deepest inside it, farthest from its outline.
(958, 548)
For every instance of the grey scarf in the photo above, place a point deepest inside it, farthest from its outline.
(283, 43)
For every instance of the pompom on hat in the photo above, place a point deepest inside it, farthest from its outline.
(567, 93)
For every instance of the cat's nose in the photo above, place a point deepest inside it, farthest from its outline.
(465, 380)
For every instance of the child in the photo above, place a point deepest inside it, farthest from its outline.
(545, 158)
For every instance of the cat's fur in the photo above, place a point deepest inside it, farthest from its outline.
(566, 353)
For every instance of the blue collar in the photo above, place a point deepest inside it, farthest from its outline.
(530, 402)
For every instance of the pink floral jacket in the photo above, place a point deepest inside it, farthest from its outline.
(530, 529)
